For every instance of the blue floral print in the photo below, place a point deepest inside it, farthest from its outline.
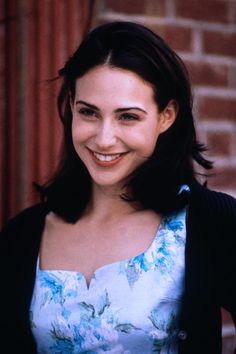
(130, 307)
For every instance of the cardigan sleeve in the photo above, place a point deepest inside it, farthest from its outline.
(210, 278)
(226, 256)
(19, 245)
(218, 211)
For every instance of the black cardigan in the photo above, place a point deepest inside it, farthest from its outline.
(210, 276)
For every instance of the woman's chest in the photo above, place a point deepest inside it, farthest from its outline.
(129, 306)
(89, 246)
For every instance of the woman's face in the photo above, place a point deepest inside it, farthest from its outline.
(115, 123)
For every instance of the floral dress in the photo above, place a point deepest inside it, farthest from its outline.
(131, 306)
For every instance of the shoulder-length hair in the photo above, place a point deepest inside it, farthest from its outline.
(156, 183)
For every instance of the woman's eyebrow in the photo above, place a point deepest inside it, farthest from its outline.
(129, 108)
(88, 105)
(123, 109)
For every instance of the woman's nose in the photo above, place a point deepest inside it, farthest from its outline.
(105, 135)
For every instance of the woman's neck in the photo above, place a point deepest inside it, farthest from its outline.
(106, 203)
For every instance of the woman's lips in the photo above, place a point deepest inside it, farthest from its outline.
(106, 160)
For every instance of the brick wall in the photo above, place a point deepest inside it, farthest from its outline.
(203, 32)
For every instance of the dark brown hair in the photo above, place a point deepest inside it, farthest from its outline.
(156, 183)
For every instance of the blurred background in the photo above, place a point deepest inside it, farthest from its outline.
(38, 36)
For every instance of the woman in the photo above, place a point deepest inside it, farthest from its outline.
(127, 253)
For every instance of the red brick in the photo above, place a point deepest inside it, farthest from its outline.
(219, 43)
(179, 38)
(223, 178)
(232, 77)
(148, 7)
(202, 73)
(207, 10)
(217, 108)
(219, 143)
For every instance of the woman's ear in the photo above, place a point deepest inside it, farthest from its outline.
(168, 115)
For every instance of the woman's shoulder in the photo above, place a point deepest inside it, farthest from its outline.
(32, 216)
(211, 201)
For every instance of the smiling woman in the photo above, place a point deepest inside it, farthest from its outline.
(128, 252)
(118, 131)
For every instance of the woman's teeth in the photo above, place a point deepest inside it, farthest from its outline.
(101, 157)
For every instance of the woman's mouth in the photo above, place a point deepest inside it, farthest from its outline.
(106, 160)
(102, 157)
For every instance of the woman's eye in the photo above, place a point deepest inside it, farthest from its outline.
(87, 112)
(129, 117)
